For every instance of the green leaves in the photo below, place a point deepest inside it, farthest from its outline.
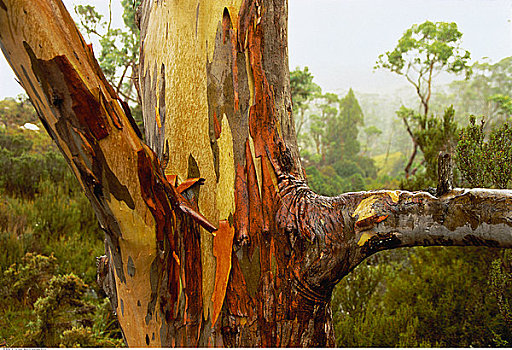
(421, 297)
(423, 51)
(119, 54)
(485, 162)
(425, 48)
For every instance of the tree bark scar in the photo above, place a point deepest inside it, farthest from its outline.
(153, 193)
(217, 127)
(262, 114)
(229, 32)
(111, 112)
(86, 107)
(128, 113)
(380, 242)
(158, 204)
(191, 273)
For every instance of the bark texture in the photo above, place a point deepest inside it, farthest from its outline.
(213, 237)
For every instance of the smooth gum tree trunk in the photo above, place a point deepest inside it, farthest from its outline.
(212, 236)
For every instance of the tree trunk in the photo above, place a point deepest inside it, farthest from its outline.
(214, 239)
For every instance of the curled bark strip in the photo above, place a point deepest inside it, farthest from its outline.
(255, 205)
(222, 244)
(185, 185)
(152, 191)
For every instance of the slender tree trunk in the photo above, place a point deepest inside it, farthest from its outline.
(214, 239)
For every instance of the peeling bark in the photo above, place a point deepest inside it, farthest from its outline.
(213, 237)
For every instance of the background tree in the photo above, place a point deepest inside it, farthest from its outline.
(483, 94)
(266, 275)
(335, 164)
(119, 54)
(424, 51)
(303, 91)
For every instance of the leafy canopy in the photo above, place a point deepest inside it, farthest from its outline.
(423, 51)
(427, 46)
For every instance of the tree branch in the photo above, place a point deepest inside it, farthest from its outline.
(335, 234)
(462, 217)
(136, 206)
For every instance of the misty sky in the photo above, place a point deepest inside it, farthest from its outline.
(340, 40)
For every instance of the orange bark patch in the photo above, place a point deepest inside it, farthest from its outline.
(370, 221)
(185, 185)
(222, 245)
(241, 215)
(255, 213)
(217, 128)
(172, 179)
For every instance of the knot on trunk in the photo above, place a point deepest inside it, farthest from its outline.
(314, 225)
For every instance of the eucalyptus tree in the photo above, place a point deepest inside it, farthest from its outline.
(212, 236)
(423, 52)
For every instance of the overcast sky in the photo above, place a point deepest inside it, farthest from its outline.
(340, 40)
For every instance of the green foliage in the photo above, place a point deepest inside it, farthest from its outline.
(425, 49)
(342, 130)
(470, 153)
(44, 217)
(420, 297)
(303, 91)
(499, 156)
(432, 136)
(500, 281)
(119, 54)
(16, 112)
(503, 103)
(485, 162)
(334, 163)
(59, 311)
(487, 93)
(24, 283)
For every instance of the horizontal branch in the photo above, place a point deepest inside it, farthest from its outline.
(462, 217)
(330, 236)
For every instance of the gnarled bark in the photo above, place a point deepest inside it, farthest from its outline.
(259, 267)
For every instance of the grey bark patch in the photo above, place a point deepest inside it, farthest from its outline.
(147, 339)
(154, 282)
(130, 267)
(115, 187)
(155, 135)
(138, 303)
(122, 307)
(25, 73)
